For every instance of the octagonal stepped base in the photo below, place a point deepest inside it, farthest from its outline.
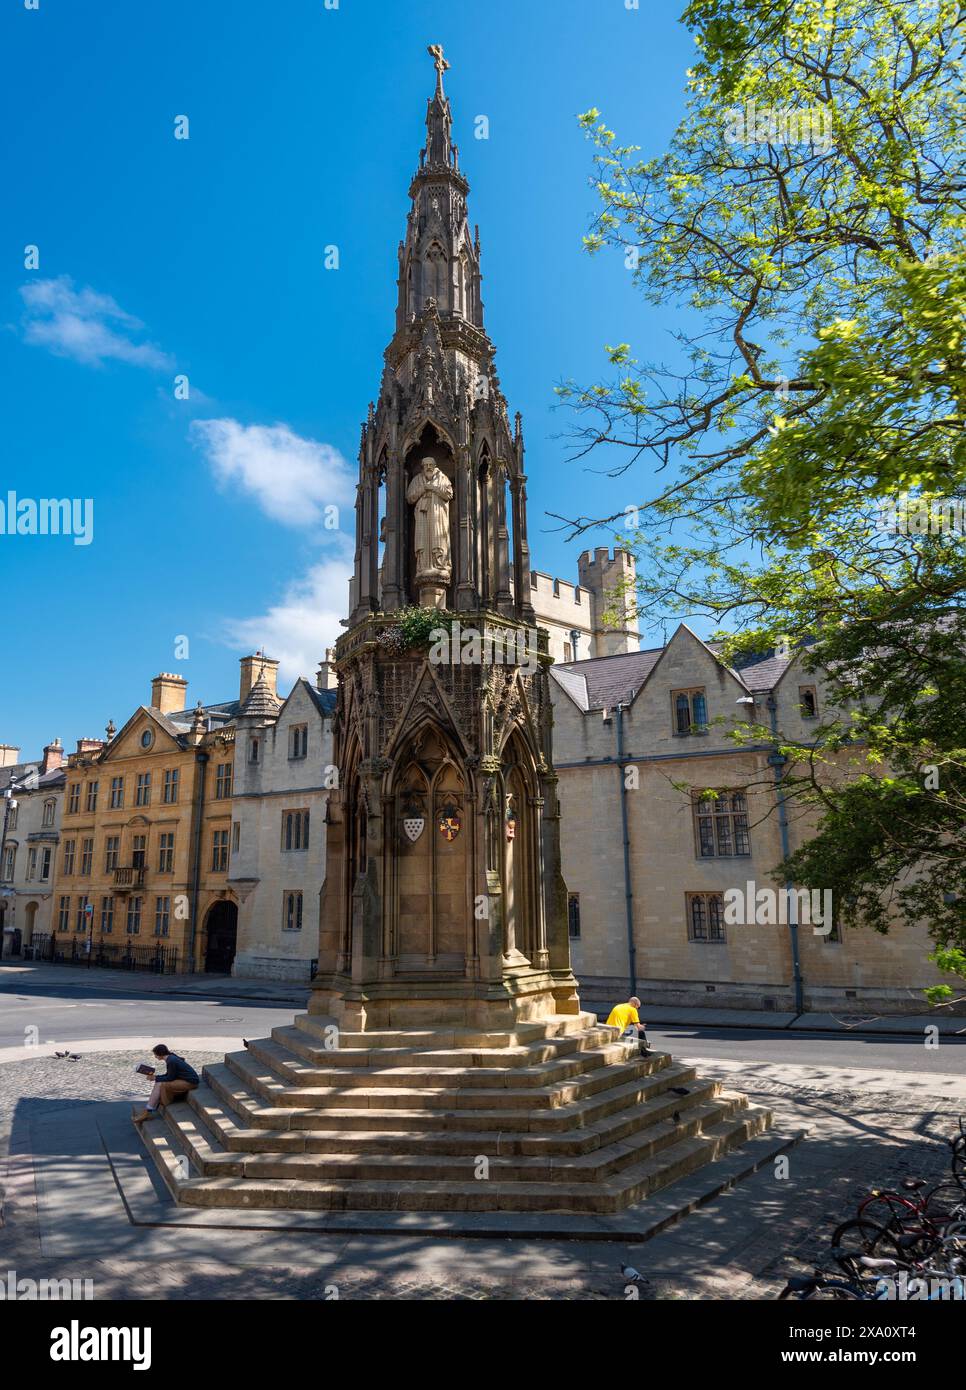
(556, 1116)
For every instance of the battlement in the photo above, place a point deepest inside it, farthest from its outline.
(545, 586)
(601, 559)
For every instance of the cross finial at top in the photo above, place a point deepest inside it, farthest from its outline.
(435, 51)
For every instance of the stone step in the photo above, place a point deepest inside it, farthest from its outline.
(210, 1158)
(235, 1088)
(448, 1072)
(274, 1082)
(311, 1049)
(561, 1026)
(629, 1185)
(231, 1123)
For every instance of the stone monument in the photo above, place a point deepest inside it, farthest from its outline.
(444, 1021)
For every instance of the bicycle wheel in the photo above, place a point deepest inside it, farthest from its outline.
(861, 1237)
(946, 1202)
(836, 1290)
(959, 1162)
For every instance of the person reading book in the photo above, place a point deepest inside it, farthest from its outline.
(178, 1080)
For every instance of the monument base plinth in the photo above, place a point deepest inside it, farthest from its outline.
(389, 1004)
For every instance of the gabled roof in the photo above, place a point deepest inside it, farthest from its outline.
(601, 682)
(608, 680)
(323, 699)
(170, 728)
(573, 683)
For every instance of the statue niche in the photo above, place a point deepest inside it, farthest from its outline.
(429, 496)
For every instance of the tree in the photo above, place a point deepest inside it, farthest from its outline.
(807, 221)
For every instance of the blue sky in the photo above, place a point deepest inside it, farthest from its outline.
(205, 257)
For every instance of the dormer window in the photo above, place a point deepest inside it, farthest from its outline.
(690, 711)
(808, 701)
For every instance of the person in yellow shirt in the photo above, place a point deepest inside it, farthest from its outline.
(627, 1019)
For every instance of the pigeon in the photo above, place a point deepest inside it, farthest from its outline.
(680, 1090)
(61, 1054)
(246, 1042)
(633, 1276)
(74, 1056)
(676, 1117)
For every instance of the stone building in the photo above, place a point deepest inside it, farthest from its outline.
(29, 849)
(648, 863)
(145, 839)
(283, 774)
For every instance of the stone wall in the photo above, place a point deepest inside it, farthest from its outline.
(263, 871)
(752, 966)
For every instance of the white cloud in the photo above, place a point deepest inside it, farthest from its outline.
(297, 629)
(292, 479)
(89, 327)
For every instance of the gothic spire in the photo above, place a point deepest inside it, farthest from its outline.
(439, 258)
(439, 150)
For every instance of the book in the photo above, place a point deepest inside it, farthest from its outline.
(144, 1070)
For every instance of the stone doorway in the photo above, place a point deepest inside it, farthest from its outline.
(221, 933)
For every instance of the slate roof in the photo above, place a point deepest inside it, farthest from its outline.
(260, 702)
(217, 715)
(15, 772)
(765, 674)
(610, 680)
(28, 776)
(324, 700)
(601, 682)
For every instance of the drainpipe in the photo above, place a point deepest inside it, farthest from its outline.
(776, 761)
(628, 891)
(8, 804)
(202, 760)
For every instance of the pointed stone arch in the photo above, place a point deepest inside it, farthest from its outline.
(428, 874)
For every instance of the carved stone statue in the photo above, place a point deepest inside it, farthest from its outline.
(430, 493)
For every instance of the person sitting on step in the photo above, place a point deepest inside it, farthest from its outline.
(177, 1081)
(626, 1018)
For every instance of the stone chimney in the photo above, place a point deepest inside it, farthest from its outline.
(168, 692)
(8, 755)
(53, 757)
(89, 745)
(254, 666)
(326, 679)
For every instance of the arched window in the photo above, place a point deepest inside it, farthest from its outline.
(436, 275)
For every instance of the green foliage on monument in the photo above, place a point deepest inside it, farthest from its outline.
(807, 439)
(414, 627)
